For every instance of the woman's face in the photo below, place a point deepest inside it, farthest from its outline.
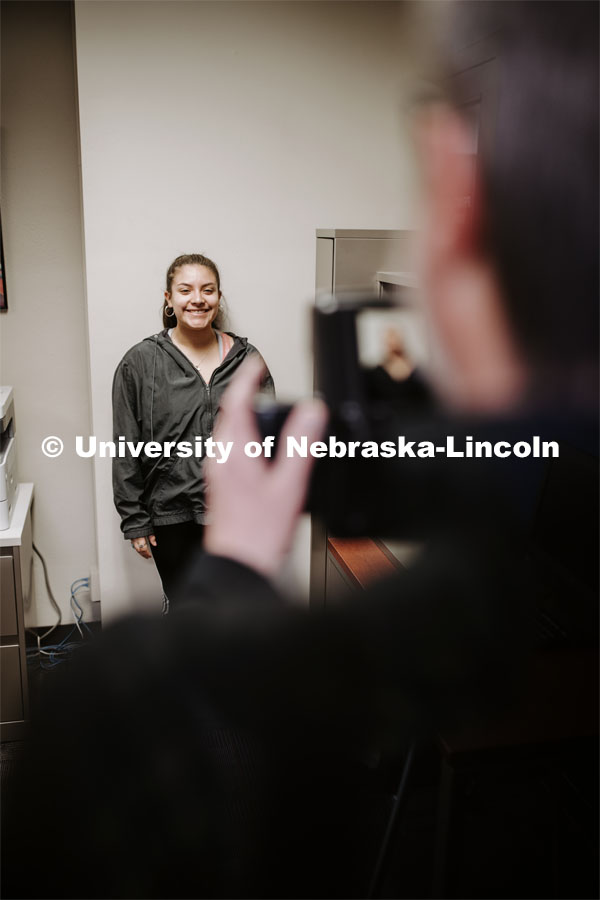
(194, 296)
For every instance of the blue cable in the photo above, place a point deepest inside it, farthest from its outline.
(74, 601)
(81, 583)
(85, 583)
(58, 653)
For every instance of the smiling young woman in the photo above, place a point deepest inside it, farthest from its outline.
(192, 307)
(168, 388)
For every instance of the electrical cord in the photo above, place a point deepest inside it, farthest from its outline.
(56, 653)
(82, 583)
(53, 602)
(53, 654)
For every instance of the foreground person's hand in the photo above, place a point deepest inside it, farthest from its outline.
(255, 503)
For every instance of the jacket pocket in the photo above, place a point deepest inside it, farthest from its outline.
(179, 487)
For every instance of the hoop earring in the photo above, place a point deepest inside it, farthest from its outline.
(169, 315)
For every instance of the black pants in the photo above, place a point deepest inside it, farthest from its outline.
(176, 547)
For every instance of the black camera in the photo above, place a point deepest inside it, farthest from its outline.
(357, 481)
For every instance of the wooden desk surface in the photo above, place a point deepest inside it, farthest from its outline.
(362, 560)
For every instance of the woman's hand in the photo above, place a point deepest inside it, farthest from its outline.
(254, 503)
(142, 545)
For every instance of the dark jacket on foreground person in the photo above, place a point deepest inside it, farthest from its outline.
(158, 395)
(220, 752)
(217, 752)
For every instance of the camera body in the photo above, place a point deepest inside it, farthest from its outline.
(354, 490)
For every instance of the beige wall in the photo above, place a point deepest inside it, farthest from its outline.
(43, 336)
(234, 129)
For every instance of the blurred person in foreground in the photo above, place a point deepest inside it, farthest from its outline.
(133, 757)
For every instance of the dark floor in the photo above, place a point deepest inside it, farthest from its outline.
(526, 835)
(526, 831)
(10, 754)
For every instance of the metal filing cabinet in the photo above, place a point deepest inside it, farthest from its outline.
(15, 586)
(351, 259)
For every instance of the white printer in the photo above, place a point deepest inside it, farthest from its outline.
(8, 457)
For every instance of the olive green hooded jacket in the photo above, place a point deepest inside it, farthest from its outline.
(158, 395)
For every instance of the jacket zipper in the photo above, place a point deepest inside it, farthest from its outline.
(210, 409)
(206, 386)
(208, 394)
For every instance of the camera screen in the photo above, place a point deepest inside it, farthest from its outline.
(394, 338)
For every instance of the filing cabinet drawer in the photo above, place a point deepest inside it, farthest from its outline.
(15, 577)
(8, 601)
(11, 685)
